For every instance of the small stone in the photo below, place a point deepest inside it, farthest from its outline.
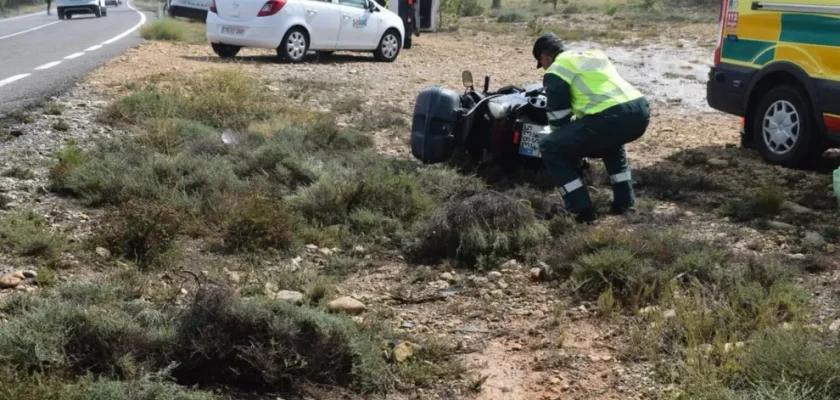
(778, 225)
(270, 288)
(103, 252)
(794, 208)
(830, 248)
(516, 346)
(535, 274)
(10, 282)
(359, 249)
(797, 256)
(441, 284)
(502, 284)
(403, 352)
(184, 291)
(325, 251)
(717, 162)
(554, 380)
(233, 276)
(813, 239)
(669, 314)
(510, 264)
(30, 274)
(498, 293)
(835, 326)
(494, 276)
(311, 247)
(447, 277)
(347, 304)
(648, 310)
(290, 296)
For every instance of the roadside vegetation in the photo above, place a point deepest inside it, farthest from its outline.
(174, 30)
(229, 215)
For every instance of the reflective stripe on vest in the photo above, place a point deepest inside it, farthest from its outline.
(595, 84)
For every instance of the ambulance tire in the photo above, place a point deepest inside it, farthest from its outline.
(790, 103)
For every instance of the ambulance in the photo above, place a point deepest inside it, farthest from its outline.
(777, 66)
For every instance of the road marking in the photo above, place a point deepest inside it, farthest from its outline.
(74, 55)
(128, 32)
(28, 30)
(48, 65)
(22, 16)
(92, 48)
(9, 80)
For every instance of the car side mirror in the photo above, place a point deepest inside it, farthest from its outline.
(371, 5)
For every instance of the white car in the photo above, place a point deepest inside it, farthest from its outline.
(68, 8)
(293, 27)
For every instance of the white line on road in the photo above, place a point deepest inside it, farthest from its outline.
(48, 65)
(9, 80)
(28, 30)
(128, 32)
(74, 55)
(22, 16)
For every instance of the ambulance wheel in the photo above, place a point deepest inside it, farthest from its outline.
(783, 128)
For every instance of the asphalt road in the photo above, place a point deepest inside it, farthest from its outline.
(42, 56)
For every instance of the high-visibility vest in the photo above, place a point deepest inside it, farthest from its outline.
(594, 82)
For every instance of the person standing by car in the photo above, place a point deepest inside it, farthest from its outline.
(49, 4)
(609, 113)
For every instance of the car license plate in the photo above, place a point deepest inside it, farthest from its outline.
(232, 30)
(532, 134)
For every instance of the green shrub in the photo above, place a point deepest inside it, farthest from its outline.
(221, 98)
(477, 229)
(26, 233)
(169, 29)
(258, 222)
(143, 232)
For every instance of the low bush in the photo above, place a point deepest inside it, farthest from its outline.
(26, 233)
(477, 229)
(143, 232)
(255, 344)
(168, 29)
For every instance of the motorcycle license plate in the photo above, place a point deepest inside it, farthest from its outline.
(532, 134)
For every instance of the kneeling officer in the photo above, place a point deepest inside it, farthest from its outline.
(608, 111)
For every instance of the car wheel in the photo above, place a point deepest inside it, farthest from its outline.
(98, 12)
(389, 46)
(105, 11)
(225, 50)
(60, 15)
(294, 46)
(784, 131)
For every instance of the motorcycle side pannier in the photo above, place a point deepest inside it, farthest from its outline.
(433, 124)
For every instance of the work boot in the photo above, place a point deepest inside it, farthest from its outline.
(586, 216)
(615, 209)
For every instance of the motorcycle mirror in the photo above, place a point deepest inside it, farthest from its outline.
(467, 79)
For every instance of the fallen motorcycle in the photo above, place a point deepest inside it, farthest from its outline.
(502, 126)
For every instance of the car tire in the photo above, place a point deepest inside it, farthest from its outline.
(60, 15)
(294, 46)
(98, 12)
(105, 11)
(389, 46)
(225, 50)
(786, 105)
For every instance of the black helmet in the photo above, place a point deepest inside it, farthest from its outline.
(547, 41)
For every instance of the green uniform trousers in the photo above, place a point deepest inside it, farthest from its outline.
(602, 135)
